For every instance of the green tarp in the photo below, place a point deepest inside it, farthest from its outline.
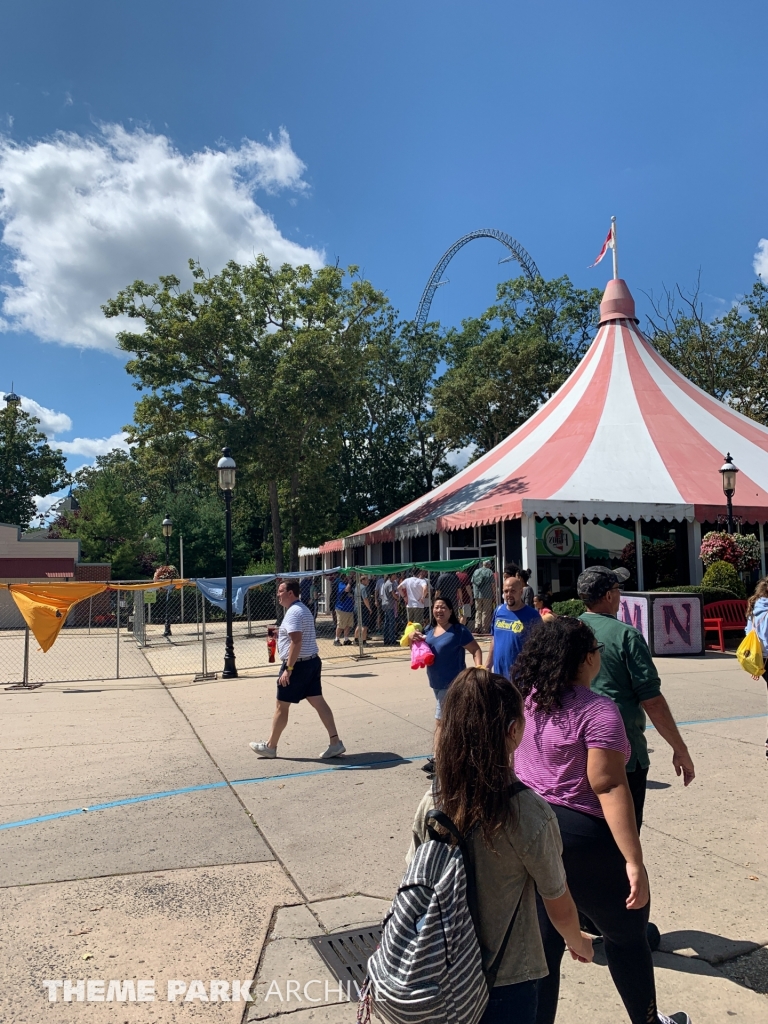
(456, 564)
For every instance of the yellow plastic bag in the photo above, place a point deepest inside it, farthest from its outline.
(750, 654)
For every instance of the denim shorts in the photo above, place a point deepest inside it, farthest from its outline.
(440, 696)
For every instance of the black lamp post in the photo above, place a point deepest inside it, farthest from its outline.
(167, 531)
(729, 471)
(226, 470)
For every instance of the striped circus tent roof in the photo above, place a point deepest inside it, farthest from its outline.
(626, 437)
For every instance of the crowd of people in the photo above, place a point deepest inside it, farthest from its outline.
(540, 762)
(388, 602)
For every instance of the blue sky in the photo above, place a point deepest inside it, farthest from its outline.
(407, 125)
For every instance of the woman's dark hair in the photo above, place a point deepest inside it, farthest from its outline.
(449, 605)
(472, 763)
(550, 661)
(525, 575)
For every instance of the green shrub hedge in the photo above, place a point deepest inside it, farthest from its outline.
(574, 607)
(723, 576)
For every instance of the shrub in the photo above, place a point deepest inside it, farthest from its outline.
(709, 595)
(574, 607)
(723, 576)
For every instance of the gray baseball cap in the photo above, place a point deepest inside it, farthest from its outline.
(595, 582)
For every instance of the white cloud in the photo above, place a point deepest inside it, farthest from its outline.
(90, 447)
(458, 459)
(760, 262)
(51, 422)
(84, 217)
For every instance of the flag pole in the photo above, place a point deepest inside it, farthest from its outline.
(615, 250)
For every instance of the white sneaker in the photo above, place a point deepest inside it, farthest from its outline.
(263, 750)
(681, 1017)
(334, 750)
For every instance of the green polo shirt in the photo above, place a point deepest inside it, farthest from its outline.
(628, 676)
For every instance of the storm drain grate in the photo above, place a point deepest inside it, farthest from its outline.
(346, 954)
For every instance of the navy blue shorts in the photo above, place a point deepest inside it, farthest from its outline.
(305, 681)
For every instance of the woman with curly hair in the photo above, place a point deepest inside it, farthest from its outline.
(573, 754)
(511, 834)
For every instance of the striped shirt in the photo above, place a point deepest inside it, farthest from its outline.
(297, 619)
(552, 759)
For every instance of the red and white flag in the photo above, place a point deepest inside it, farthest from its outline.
(607, 244)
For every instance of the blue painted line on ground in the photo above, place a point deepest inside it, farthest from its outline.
(127, 801)
(708, 721)
(146, 798)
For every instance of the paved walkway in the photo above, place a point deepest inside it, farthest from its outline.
(144, 841)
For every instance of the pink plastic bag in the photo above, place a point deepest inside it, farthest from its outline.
(421, 655)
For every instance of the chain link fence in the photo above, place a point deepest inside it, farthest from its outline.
(176, 632)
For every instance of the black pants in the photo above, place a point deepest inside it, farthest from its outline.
(597, 878)
(511, 1004)
(637, 782)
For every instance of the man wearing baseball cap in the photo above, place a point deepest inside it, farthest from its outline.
(629, 677)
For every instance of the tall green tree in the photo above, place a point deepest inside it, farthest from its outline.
(267, 360)
(111, 522)
(29, 466)
(503, 365)
(726, 356)
(390, 454)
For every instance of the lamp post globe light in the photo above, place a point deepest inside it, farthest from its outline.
(167, 531)
(728, 472)
(225, 469)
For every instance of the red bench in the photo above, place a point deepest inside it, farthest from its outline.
(723, 615)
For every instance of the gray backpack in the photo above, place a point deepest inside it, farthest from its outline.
(428, 968)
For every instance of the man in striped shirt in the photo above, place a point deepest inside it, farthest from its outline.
(300, 670)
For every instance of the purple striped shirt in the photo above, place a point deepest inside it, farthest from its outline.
(552, 759)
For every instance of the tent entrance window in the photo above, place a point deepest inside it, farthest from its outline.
(611, 542)
(558, 558)
(665, 554)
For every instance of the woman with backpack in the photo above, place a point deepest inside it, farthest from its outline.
(511, 835)
(573, 753)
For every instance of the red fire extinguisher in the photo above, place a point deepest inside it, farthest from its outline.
(271, 641)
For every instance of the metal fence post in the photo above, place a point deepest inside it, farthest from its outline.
(90, 613)
(25, 683)
(248, 604)
(359, 607)
(204, 673)
(117, 633)
(25, 678)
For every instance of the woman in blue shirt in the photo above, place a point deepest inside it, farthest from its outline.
(448, 640)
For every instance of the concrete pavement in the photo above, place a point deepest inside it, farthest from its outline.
(195, 860)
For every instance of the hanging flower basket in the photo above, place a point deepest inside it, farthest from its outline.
(165, 572)
(748, 547)
(719, 546)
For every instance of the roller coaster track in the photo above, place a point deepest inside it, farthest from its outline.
(518, 253)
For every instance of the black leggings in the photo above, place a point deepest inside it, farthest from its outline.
(597, 878)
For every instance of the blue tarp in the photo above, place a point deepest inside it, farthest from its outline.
(215, 589)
